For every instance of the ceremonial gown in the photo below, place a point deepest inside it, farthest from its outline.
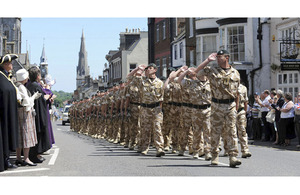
(41, 121)
(8, 117)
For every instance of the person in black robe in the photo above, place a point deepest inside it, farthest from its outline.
(8, 112)
(41, 120)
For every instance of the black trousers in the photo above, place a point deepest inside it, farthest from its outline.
(267, 127)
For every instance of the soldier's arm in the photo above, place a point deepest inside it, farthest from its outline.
(237, 100)
(181, 77)
(210, 58)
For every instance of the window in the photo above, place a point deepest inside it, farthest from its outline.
(180, 50)
(206, 45)
(290, 78)
(158, 62)
(175, 51)
(279, 79)
(236, 43)
(191, 27)
(164, 30)
(288, 82)
(131, 67)
(284, 78)
(164, 64)
(157, 33)
(192, 57)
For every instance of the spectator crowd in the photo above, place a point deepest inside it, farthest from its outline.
(25, 125)
(274, 116)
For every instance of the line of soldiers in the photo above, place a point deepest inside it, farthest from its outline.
(192, 110)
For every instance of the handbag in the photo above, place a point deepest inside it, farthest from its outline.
(270, 117)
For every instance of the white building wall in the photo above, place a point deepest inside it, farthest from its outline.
(179, 61)
(139, 55)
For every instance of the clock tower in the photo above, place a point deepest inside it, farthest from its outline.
(43, 64)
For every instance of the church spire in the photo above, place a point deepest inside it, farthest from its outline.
(43, 59)
(82, 68)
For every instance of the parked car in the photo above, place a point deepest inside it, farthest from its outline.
(65, 115)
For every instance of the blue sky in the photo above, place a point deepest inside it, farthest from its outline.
(62, 38)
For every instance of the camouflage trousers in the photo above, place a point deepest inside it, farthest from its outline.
(124, 130)
(201, 130)
(223, 122)
(186, 134)
(116, 128)
(151, 121)
(241, 123)
(109, 128)
(176, 125)
(167, 127)
(134, 127)
(71, 122)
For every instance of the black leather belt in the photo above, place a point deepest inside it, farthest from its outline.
(240, 109)
(175, 103)
(201, 106)
(187, 105)
(222, 101)
(150, 105)
(135, 103)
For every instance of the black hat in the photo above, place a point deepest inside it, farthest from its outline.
(223, 52)
(8, 58)
(151, 65)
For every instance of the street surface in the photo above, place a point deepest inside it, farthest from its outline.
(80, 155)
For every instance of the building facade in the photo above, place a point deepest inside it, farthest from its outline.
(285, 58)
(161, 33)
(132, 52)
(247, 40)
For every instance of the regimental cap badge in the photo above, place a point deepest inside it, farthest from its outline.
(223, 52)
(8, 58)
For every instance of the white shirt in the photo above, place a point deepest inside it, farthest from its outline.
(289, 114)
(266, 103)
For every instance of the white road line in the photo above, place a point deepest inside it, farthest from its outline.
(22, 171)
(59, 129)
(54, 156)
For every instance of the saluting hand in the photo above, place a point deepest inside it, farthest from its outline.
(212, 57)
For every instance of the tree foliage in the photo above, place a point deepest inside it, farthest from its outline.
(61, 98)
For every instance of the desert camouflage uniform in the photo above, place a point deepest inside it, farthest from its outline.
(242, 120)
(166, 127)
(176, 112)
(122, 119)
(200, 96)
(186, 134)
(224, 87)
(151, 117)
(134, 112)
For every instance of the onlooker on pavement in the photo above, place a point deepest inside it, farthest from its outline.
(297, 117)
(287, 131)
(275, 105)
(256, 115)
(27, 131)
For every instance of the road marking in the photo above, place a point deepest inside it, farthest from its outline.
(54, 156)
(22, 171)
(59, 129)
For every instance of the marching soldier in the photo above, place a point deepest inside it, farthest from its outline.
(167, 103)
(151, 89)
(242, 121)
(224, 82)
(199, 92)
(133, 103)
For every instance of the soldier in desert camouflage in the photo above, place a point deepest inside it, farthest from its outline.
(224, 82)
